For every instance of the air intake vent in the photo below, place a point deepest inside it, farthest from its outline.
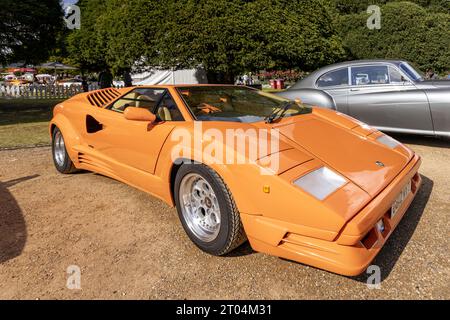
(101, 97)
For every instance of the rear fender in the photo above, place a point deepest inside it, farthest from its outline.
(312, 97)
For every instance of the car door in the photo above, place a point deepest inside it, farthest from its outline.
(130, 146)
(381, 96)
(336, 83)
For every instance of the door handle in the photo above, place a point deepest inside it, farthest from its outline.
(354, 89)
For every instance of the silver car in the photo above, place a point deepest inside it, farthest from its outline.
(387, 94)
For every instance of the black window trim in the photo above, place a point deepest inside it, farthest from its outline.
(157, 105)
(155, 108)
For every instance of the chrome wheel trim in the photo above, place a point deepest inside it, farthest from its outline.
(59, 149)
(200, 207)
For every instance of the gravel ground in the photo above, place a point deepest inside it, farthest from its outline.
(130, 245)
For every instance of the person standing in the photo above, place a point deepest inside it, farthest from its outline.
(245, 79)
(430, 75)
(105, 79)
(128, 82)
(84, 84)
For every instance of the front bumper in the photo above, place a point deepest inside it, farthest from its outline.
(356, 245)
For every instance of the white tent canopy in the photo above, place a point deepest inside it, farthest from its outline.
(185, 76)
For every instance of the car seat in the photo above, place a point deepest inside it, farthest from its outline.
(144, 101)
(123, 103)
(164, 114)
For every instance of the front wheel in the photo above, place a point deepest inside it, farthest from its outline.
(61, 159)
(207, 210)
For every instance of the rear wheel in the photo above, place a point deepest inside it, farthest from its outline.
(60, 157)
(207, 210)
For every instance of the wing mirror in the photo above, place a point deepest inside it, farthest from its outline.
(139, 114)
(404, 80)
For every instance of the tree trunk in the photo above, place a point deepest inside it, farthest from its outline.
(215, 77)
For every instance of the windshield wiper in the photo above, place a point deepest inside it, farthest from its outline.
(278, 113)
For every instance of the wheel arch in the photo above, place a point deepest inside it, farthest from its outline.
(175, 167)
(226, 174)
(71, 137)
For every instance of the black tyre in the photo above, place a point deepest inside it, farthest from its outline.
(60, 157)
(207, 210)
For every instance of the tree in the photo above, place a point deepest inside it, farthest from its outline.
(225, 37)
(231, 37)
(128, 30)
(218, 35)
(28, 29)
(84, 45)
(407, 32)
(299, 34)
(359, 6)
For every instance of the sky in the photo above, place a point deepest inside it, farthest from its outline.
(67, 2)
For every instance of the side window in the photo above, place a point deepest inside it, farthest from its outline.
(367, 75)
(141, 98)
(333, 78)
(395, 76)
(168, 110)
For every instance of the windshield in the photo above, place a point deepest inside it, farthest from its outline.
(235, 104)
(411, 72)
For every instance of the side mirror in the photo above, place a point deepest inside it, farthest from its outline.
(139, 114)
(404, 80)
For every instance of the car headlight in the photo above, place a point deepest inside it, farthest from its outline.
(321, 182)
(388, 141)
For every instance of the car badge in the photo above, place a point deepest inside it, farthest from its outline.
(379, 163)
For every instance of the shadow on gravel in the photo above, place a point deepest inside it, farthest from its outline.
(394, 247)
(422, 140)
(13, 232)
(243, 250)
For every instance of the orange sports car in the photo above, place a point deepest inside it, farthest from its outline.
(299, 182)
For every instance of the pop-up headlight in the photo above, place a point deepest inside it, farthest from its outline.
(321, 182)
(388, 141)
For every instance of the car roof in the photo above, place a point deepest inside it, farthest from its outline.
(365, 61)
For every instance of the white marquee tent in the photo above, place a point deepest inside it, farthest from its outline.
(185, 76)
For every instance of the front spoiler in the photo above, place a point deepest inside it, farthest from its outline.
(345, 255)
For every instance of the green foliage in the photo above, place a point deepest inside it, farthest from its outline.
(28, 29)
(225, 37)
(84, 45)
(407, 32)
(359, 6)
(235, 36)
(127, 31)
(298, 34)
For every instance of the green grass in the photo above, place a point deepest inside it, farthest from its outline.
(24, 122)
(270, 90)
